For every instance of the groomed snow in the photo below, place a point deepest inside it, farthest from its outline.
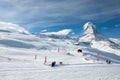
(37, 71)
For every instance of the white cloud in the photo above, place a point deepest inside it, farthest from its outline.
(45, 30)
(117, 25)
(61, 32)
(31, 13)
(103, 15)
(72, 33)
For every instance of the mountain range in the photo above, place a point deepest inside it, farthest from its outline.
(96, 40)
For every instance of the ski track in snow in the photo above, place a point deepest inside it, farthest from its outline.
(28, 71)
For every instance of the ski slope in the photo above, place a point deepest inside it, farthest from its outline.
(18, 52)
(37, 71)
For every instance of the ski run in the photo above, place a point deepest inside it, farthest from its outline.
(30, 56)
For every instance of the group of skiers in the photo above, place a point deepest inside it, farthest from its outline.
(108, 61)
(54, 63)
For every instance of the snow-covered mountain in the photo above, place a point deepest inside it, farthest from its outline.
(90, 34)
(23, 46)
(10, 27)
(53, 36)
(62, 34)
(29, 56)
(96, 40)
(117, 41)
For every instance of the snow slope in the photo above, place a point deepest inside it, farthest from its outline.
(22, 58)
(10, 27)
(36, 71)
(20, 44)
(117, 41)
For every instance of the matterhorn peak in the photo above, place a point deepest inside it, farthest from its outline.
(96, 40)
(90, 33)
(89, 28)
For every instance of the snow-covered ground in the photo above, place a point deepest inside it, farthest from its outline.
(22, 57)
(37, 71)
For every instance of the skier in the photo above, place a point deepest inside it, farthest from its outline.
(108, 61)
(53, 64)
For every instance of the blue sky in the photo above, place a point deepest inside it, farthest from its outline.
(56, 15)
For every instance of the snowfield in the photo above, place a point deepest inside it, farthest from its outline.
(37, 71)
(22, 57)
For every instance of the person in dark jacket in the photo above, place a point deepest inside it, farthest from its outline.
(53, 64)
(108, 61)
